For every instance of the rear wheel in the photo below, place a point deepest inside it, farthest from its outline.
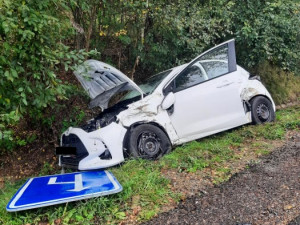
(262, 110)
(148, 142)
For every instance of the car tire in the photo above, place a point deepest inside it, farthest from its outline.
(147, 141)
(262, 110)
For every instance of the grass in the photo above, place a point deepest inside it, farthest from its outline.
(145, 189)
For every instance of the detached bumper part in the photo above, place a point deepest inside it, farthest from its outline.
(99, 149)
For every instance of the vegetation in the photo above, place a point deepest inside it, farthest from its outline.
(146, 189)
(41, 41)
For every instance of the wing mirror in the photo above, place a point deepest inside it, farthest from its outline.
(168, 101)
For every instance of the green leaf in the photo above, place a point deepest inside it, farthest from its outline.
(24, 101)
(14, 73)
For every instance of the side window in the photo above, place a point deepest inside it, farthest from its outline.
(215, 63)
(215, 68)
(189, 77)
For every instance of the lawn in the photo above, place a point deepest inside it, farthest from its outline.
(146, 189)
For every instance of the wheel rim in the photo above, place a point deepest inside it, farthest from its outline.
(263, 112)
(148, 144)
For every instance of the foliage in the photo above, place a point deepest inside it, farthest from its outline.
(32, 54)
(283, 86)
(167, 33)
(140, 37)
(268, 31)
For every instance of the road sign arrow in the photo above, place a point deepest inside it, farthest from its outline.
(78, 183)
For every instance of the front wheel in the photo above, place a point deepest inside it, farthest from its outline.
(148, 142)
(262, 110)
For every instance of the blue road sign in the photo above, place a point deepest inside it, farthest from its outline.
(56, 189)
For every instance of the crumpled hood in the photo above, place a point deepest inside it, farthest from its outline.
(102, 82)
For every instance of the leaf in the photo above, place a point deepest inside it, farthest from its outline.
(14, 73)
(7, 74)
(288, 207)
(24, 101)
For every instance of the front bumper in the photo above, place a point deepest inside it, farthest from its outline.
(92, 146)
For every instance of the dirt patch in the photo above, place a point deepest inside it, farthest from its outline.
(189, 184)
(27, 162)
(38, 156)
(266, 193)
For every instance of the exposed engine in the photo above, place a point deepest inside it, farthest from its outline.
(108, 116)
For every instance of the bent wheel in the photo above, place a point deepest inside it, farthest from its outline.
(148, 142)
(262, 110)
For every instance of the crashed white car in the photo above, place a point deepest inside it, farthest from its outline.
(206, 96)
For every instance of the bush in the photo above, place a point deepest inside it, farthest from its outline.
(32, 53)
(284, 86)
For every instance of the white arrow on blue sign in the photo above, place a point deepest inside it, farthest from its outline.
(56, 189)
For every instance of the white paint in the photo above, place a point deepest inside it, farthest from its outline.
(207, 107)
(78, 184)
(13, 203)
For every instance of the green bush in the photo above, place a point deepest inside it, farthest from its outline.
(32, 54)
(284, 86)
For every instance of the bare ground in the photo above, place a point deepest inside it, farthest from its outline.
(265, 193)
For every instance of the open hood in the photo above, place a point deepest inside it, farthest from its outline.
(102, 82)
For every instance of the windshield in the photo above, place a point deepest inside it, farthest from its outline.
(149, 85)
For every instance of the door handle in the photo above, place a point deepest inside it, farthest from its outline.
(225, 85)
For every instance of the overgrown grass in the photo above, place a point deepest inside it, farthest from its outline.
(145, 189)
(284, 86)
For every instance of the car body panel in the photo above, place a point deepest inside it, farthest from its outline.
(102, 81)
(149, 110)
(96, 142)
(201, 110)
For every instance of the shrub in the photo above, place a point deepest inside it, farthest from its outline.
(32, 53)
(284, 86)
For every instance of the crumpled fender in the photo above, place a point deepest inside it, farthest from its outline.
(149, 110)
(254, 88)
(96, 142)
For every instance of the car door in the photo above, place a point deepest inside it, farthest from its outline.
(207, 94)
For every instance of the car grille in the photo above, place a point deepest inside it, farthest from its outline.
(81, 152)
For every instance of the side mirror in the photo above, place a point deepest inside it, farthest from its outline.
(168, 101)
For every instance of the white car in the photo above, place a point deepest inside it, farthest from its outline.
(206, 96)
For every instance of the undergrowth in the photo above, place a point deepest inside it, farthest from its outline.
(284, 86)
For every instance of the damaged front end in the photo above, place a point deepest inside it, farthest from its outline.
(97, 149)
(99, 143)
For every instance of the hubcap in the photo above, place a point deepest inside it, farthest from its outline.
(263, 112)
(148, 144)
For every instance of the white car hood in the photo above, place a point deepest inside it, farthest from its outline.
(102, 82)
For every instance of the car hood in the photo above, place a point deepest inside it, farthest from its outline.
(102, 82)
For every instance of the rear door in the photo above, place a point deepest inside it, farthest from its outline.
(207, 94)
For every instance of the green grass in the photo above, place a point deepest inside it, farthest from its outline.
(144, 187)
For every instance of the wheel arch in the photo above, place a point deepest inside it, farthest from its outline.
(267, 97)
(262, 95)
